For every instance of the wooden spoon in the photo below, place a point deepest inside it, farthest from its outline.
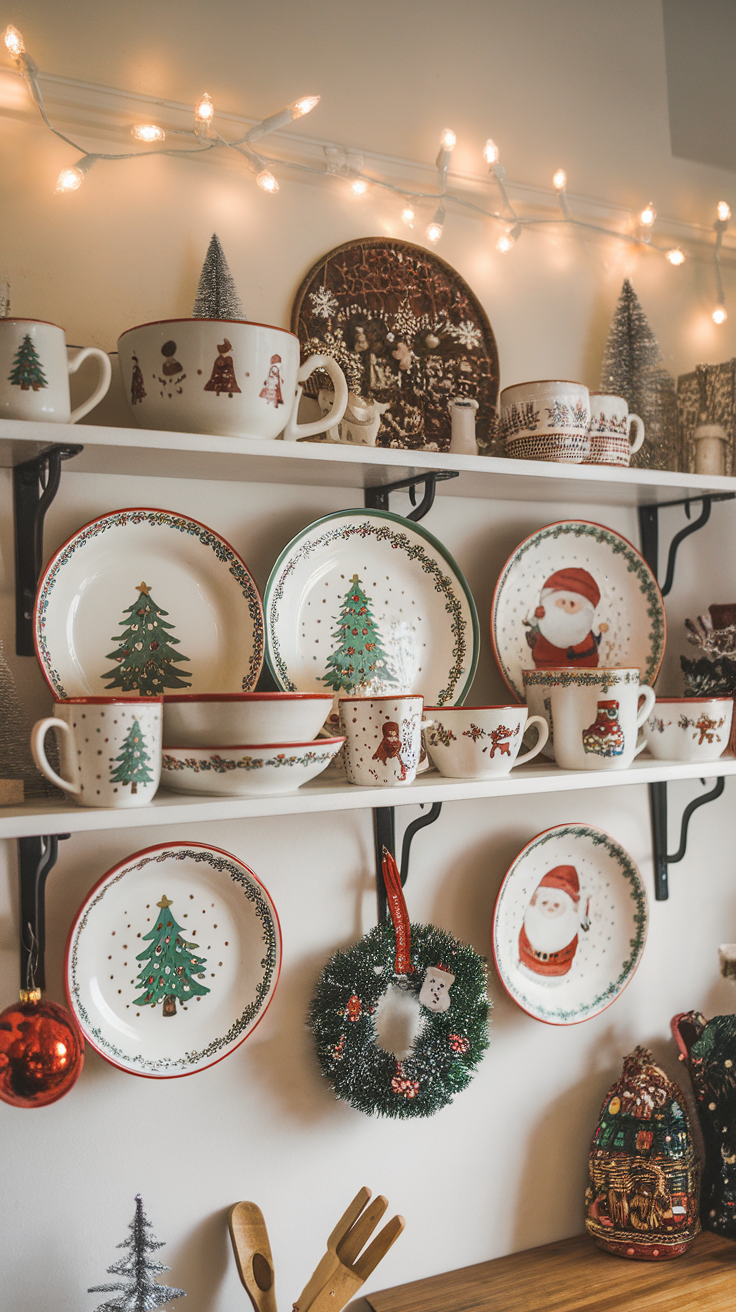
(253, 1255)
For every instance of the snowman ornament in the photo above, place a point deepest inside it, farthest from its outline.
(435, 992)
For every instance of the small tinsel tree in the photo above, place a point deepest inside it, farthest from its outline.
(632, 367)
(27, 371)
(170, 965)
(145, 655)
(138, 1291)
(16, 761)
(359, 658)
(217, 295)
(133, 763)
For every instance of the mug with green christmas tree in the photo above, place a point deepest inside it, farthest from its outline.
(110, 749)
(35, 369)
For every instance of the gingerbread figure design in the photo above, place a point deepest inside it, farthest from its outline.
(223, 377)
(390, 747)
(271, 389)
(173, 372)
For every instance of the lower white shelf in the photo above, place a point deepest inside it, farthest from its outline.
(169, 808)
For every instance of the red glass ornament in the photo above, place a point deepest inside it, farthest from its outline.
(41, 1053)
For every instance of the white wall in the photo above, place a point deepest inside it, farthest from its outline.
(503, 1169)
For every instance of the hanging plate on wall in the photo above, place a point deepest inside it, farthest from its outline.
(569, 924)
(364, 599)
(408, 333)
(145, 602)
(576, 594)
(173, 959)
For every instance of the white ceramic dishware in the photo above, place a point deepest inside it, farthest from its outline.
(244, 717)
(546, 420)
(383, 738)
(222, 376)
(689, 728)
(477, 742)
(576, 594)
(361, 420)
(610, 431)
(596, 717)
(536, 694)
(173, 959)
(569, 924)
(366, 602)
(35, 369)
(251, 771)
(109, 749)
(145, 602)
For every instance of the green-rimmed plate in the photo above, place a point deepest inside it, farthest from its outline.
(367, 601)
(569, 924)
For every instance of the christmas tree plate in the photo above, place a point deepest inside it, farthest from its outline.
(368, 602)
(173, 959)
(148, 602)
(569, 924)
(576, 594)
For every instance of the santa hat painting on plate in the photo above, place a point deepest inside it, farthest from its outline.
(577, 582)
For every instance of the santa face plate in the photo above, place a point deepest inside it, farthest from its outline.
(173, 959)
(576, 594)
(569, 924)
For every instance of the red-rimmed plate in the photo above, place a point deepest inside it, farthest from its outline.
(173, 959)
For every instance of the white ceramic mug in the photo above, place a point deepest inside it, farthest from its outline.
(475, 742)
(222, 376)
(596, 717)
(110, 749)
(610, 431)
(383, 738)
(546, 420)
(689, 728)
(537, 697)
(35, 369)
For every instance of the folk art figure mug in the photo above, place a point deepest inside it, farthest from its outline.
(610, 431)
(596, 717)
(222, 376)
(35, 369)
(110, 749)
(476, 742)
(546, 420)
(383, 738)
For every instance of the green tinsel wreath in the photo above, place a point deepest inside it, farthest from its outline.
(448, 1047)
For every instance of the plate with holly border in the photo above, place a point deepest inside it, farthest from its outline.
(569, 924)
(147, 602)
(366, 601)
(173, 959)
(628, 624)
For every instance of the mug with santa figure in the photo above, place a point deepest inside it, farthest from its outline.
(383, 738)
(223, 376)
(597, 715)
(610, 431)
(477, 742)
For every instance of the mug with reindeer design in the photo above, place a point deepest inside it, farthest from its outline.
(476, 742)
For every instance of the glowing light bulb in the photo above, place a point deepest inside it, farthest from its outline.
(69, 179)
(267, 182)
(204, 110)
(147, 132)
(359, 186)
(505, 243)
(724, 211)
(559, 181)
(648, 215)
(719, 314)
(434, 231)
(448, 139)
(304, 106)
(408, 216)
(676, 256)
(491, 152)
(14, 42)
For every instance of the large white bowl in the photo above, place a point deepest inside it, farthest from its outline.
(243, 717)
(246, 771)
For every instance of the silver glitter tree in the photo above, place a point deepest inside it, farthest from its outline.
(217, 295)
(16, 761)
(138, 1291)
(633, 368)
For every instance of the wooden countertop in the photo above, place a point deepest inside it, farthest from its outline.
(575, 1276)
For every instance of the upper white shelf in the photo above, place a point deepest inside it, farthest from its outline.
(141, 451)
(336, 795)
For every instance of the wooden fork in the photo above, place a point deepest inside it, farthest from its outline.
(328, 1263)
(348, 1271)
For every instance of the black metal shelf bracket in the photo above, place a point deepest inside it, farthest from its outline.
(662, 859)
(376, 498)
(384, 833)
(36, 858)
(35, 484)
(649, 531)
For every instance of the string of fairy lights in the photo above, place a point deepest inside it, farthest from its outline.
(349, 165)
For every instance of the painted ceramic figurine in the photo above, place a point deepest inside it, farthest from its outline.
(709, 1049)
(643, 1195)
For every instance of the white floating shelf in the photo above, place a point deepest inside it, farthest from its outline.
(169, 808)
(198, 456)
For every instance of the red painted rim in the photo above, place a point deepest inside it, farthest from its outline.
(257, 747)
(557, 1023)
(247, 323)
(46, 322)
(385, 697)
(664, 701)
(162, 847)
(505, 706)
(146, 510)
(553, 382)
(594, 524)
(105, 701)
(245, 696)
